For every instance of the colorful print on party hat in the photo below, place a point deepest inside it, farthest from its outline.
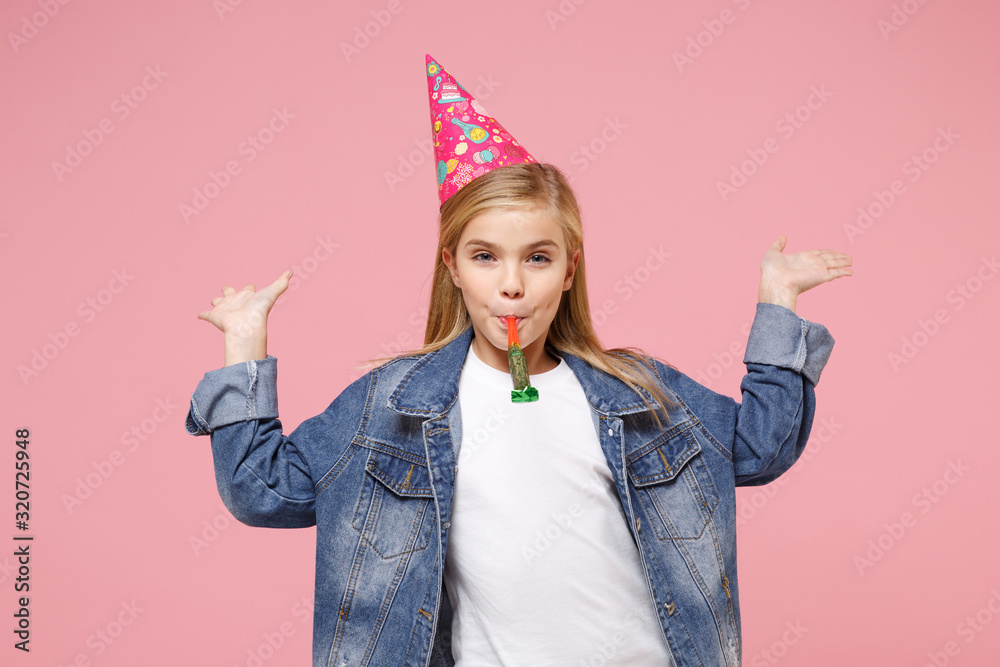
(468, 142)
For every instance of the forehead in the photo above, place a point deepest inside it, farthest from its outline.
(514, 225)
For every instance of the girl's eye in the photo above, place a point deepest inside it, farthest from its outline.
(541, 259)
(482, 256)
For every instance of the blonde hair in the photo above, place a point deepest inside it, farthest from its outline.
(530, 185)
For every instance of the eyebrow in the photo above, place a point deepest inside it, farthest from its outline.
(544, 243)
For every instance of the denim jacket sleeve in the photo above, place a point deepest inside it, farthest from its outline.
(262, 475)
(766, 433)
(785, 356)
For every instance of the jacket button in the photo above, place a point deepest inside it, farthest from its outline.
(611, 431)
(446, 524)
(670, 607)
(637, 524)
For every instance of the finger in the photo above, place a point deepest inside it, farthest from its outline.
(228, 289)
(216, 300)
(778, 243)
(249, 286)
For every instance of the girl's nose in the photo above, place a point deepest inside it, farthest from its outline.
(511, 284)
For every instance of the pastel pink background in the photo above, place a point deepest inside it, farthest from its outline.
(556, 85)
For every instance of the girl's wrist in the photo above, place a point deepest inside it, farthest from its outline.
(778, 295)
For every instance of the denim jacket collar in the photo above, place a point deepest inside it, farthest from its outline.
(431, 385)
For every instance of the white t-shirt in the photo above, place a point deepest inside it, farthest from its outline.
(541, 568)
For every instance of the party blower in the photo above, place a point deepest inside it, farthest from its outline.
(523, 392)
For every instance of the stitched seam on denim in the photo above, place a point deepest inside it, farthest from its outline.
(406, 378)
(338, 467)
(682, 403)
(335, 470)
(696, 575)
(730, 605)
(390, 482)
(729, 600)
(669, 527)
(658, 608)
(432, 622)
(199, 420)
(711, 438)
(386, 606)
(676, 430)
(252, 371)
(411, 538)
(339, 630)
(386, 448)
(677, 467)
(803, 350)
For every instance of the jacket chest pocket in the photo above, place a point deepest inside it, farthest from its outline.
(393, 513)
(674, 486)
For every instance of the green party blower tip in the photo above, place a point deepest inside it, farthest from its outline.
(523, 392)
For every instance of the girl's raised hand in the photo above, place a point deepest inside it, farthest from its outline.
(783, 277)
(243, 313)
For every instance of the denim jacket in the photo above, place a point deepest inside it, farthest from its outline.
(375, 472)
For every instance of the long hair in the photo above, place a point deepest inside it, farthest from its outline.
(531, 185)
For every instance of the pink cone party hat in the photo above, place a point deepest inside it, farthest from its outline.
(468, 142)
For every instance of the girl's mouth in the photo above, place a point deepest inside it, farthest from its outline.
(503, 321)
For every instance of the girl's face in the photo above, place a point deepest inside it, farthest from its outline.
(512, 262)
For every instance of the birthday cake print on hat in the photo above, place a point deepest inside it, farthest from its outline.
(468, 141)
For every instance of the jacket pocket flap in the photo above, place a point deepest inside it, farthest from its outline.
(663, 459)
(402, 477)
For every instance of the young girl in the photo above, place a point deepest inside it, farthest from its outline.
(593, 526)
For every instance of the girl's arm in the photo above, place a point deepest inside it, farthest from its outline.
(263, 477)
(784, 358)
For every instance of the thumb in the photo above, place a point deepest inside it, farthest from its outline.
(281, 283)
(779, 243)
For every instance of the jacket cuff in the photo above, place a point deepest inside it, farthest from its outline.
(236, 393)
(779, 337)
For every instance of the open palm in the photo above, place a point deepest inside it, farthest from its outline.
(244, 313)
(797, 272)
